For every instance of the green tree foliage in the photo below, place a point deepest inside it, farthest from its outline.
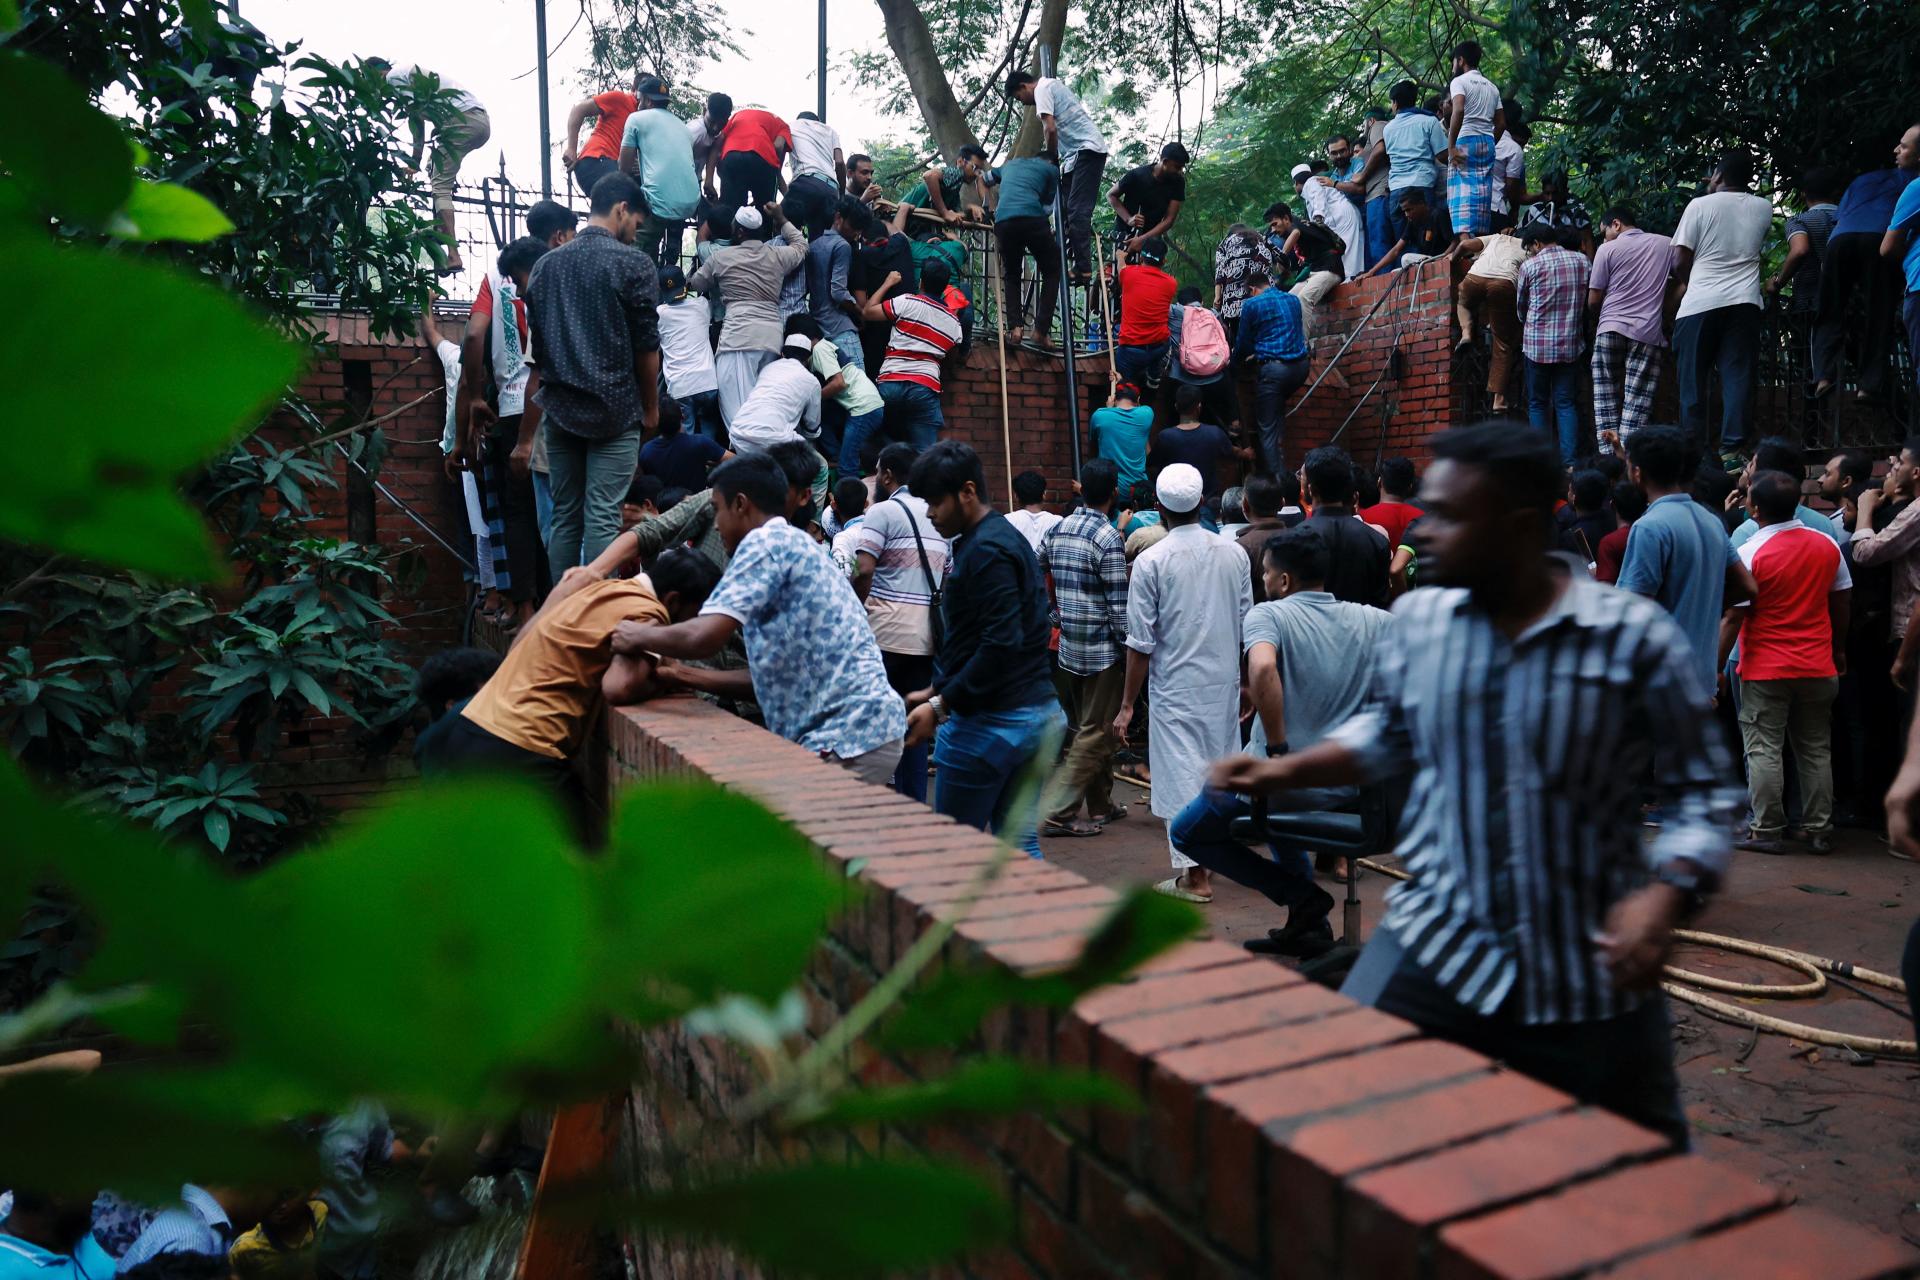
(1642, 95)
(451, 953)
(194, 626)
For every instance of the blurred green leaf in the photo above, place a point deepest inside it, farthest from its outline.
(96, 477)
(864, 1218)
(1141, 926)
(430, 953)
(706, 894)
(983, 1086)
(143, 1145)
(200, 16)
(168, 211)
(70, 155)
(9, 17)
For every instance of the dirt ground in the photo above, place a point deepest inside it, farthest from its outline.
(1831, 1132)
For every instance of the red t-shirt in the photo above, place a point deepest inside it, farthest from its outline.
(1608, 556)
(615, 107)
(1394, 517)
(1146, 295)
(756, 131)
(1785, 633)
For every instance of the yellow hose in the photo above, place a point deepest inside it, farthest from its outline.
(1815, 967)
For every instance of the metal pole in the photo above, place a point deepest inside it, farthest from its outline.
(546, 128)
(822, 65)
(1067, 332)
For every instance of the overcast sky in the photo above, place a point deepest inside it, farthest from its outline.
(488, 46)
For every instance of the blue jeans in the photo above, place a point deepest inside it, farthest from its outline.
(1726, 338)
(590, 478)
(912, 413)
(850, 351)
(543, 503)
(1380, 234)
(854, 438)
(700, 415)
(978, 765)
(1142, 366)
(1204, 832)
(1552, 402)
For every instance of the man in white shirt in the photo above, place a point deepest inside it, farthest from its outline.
(1475, 121)
(819, 174)
(1031, 517)
(1081, 149)
(686, 354)
(1509, 190)
(1338, 214)
(453, 140)
(1188, 596)
(1717, 258)
(784, 403)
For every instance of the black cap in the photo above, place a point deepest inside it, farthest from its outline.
(652, 88)
(672, 281)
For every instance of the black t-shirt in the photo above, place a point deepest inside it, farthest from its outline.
(1321, 247)
(1203, 447)
(1145, 194)
(872, 262)
(681, 460)
(1357, 558)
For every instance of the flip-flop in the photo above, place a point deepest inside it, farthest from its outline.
(1075, 828)
(1171, 888)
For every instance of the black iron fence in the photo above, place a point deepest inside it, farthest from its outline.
(1783, 383)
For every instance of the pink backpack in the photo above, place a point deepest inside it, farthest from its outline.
(1203, 342)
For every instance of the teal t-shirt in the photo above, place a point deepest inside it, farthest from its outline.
(666, 162)
(1122, 436)
(1027, 187)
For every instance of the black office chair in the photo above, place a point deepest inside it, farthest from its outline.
(1362, 830)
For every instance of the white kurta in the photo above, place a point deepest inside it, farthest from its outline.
(1187, 599)
(1343, 217)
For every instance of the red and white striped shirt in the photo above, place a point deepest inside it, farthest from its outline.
(923, 333)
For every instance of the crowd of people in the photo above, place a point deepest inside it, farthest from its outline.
(378, 1183)
(719, 470)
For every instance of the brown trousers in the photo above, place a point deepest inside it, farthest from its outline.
(1086, 775)
(1492, 303)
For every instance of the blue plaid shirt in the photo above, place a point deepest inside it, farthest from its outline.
(1552, 300)
(1271, 327)
(196, 1225)
(1088, 561)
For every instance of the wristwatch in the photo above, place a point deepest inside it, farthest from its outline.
(939, 705)
(1693, 883)
(1276, 749)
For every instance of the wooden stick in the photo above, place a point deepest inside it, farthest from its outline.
(1000, 341)
(1106, 316)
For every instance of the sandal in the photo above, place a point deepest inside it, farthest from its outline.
(1171, 888)
(1073, 828)
(1116, 814)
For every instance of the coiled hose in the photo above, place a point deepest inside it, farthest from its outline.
(1816, 969)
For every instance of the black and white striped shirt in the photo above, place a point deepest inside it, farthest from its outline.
(1523, 824)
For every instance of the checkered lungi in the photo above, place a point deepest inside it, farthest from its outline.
(1470, 186)
(1623, 405)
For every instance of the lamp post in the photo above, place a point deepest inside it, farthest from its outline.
(546, 128)
(822, 72)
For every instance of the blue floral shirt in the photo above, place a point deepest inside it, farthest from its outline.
(816, 667)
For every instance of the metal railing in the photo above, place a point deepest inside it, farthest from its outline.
(1782, 380)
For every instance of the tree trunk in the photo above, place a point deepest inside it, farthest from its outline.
(1053, 29)
(912, 45)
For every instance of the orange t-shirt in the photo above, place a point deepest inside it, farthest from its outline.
(614, 107)
(539, 697)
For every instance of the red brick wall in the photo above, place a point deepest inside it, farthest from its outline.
(1418, 399)
(1288, 1132)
